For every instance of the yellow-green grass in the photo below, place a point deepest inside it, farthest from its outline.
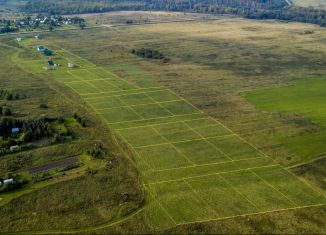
(310, 3)
(189, 149)
(176, 146)
(306, 98)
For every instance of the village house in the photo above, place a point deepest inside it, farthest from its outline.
(71, 65)
(40, 48)
(38, 37)
(7, 181)
(14, 147)
(15, 130)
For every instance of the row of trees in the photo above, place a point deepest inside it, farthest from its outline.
(148, 53)
(255, 9)
(19, 182)
(32, 130)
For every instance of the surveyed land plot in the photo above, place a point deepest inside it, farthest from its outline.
(193, 167)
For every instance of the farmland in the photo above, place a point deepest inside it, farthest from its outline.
(195, 127)
(306, 98)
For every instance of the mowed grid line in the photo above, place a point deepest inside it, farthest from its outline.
(264, 182)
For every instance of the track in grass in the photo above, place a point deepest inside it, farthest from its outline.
(194, 167)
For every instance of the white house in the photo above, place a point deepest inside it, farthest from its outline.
(15, 130)
(14, 147)
(7, 181)
(71, 65)
(19, 39)
(40, 48)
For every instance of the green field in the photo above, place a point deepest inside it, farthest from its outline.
(306, 98)
(211, 159)
(194, 168)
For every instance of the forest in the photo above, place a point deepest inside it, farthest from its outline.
(253, 9)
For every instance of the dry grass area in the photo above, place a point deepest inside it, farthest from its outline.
(121, 17)
(213, 63)
(310, 3)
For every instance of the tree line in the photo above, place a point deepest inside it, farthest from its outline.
(253, 9)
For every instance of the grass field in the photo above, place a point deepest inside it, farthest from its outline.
(46, 203)
(310, 3)
(209, 160)
(194, 168)
(306, 98)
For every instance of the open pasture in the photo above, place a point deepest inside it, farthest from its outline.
(194, 167)
(307, 98)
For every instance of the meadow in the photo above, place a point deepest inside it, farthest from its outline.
(194, 168)
(207, 158)
(44, 202)
(320, 4)
(306, 98)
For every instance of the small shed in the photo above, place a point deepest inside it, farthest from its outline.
(38, 37)
(8, 181)
(40, 48)
(15, 130)
(14, 147)
(50, 63)
(71, 65)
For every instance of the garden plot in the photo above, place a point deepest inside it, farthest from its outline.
(194, 168)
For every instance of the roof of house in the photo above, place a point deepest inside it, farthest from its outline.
(15, 130)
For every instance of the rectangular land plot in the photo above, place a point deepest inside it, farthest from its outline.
(104, 86)
(102, 73)
(296, 190)
(181, 202)
(82, 87)
(234, 147)
(83, 74)
(142, 136)
(201, 151)
(208, 128)
(155, 216)
(63, 76)
(180, 107)
(110, 102)
(136, 99)
(149, 111)
(162, 156)
(221, 196)
(175, 132)
(263, 196)
(119, 114)
(198, 171)
(157, 121)
(163, 95)
(121, 84)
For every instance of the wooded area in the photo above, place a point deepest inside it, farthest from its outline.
(253, 9)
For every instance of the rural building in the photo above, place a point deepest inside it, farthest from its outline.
(38, 37)
(71, 65)
(15, 130)
(19, 39)
(40, 48)
(14, 147)
(50, 63)
(7, 181)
